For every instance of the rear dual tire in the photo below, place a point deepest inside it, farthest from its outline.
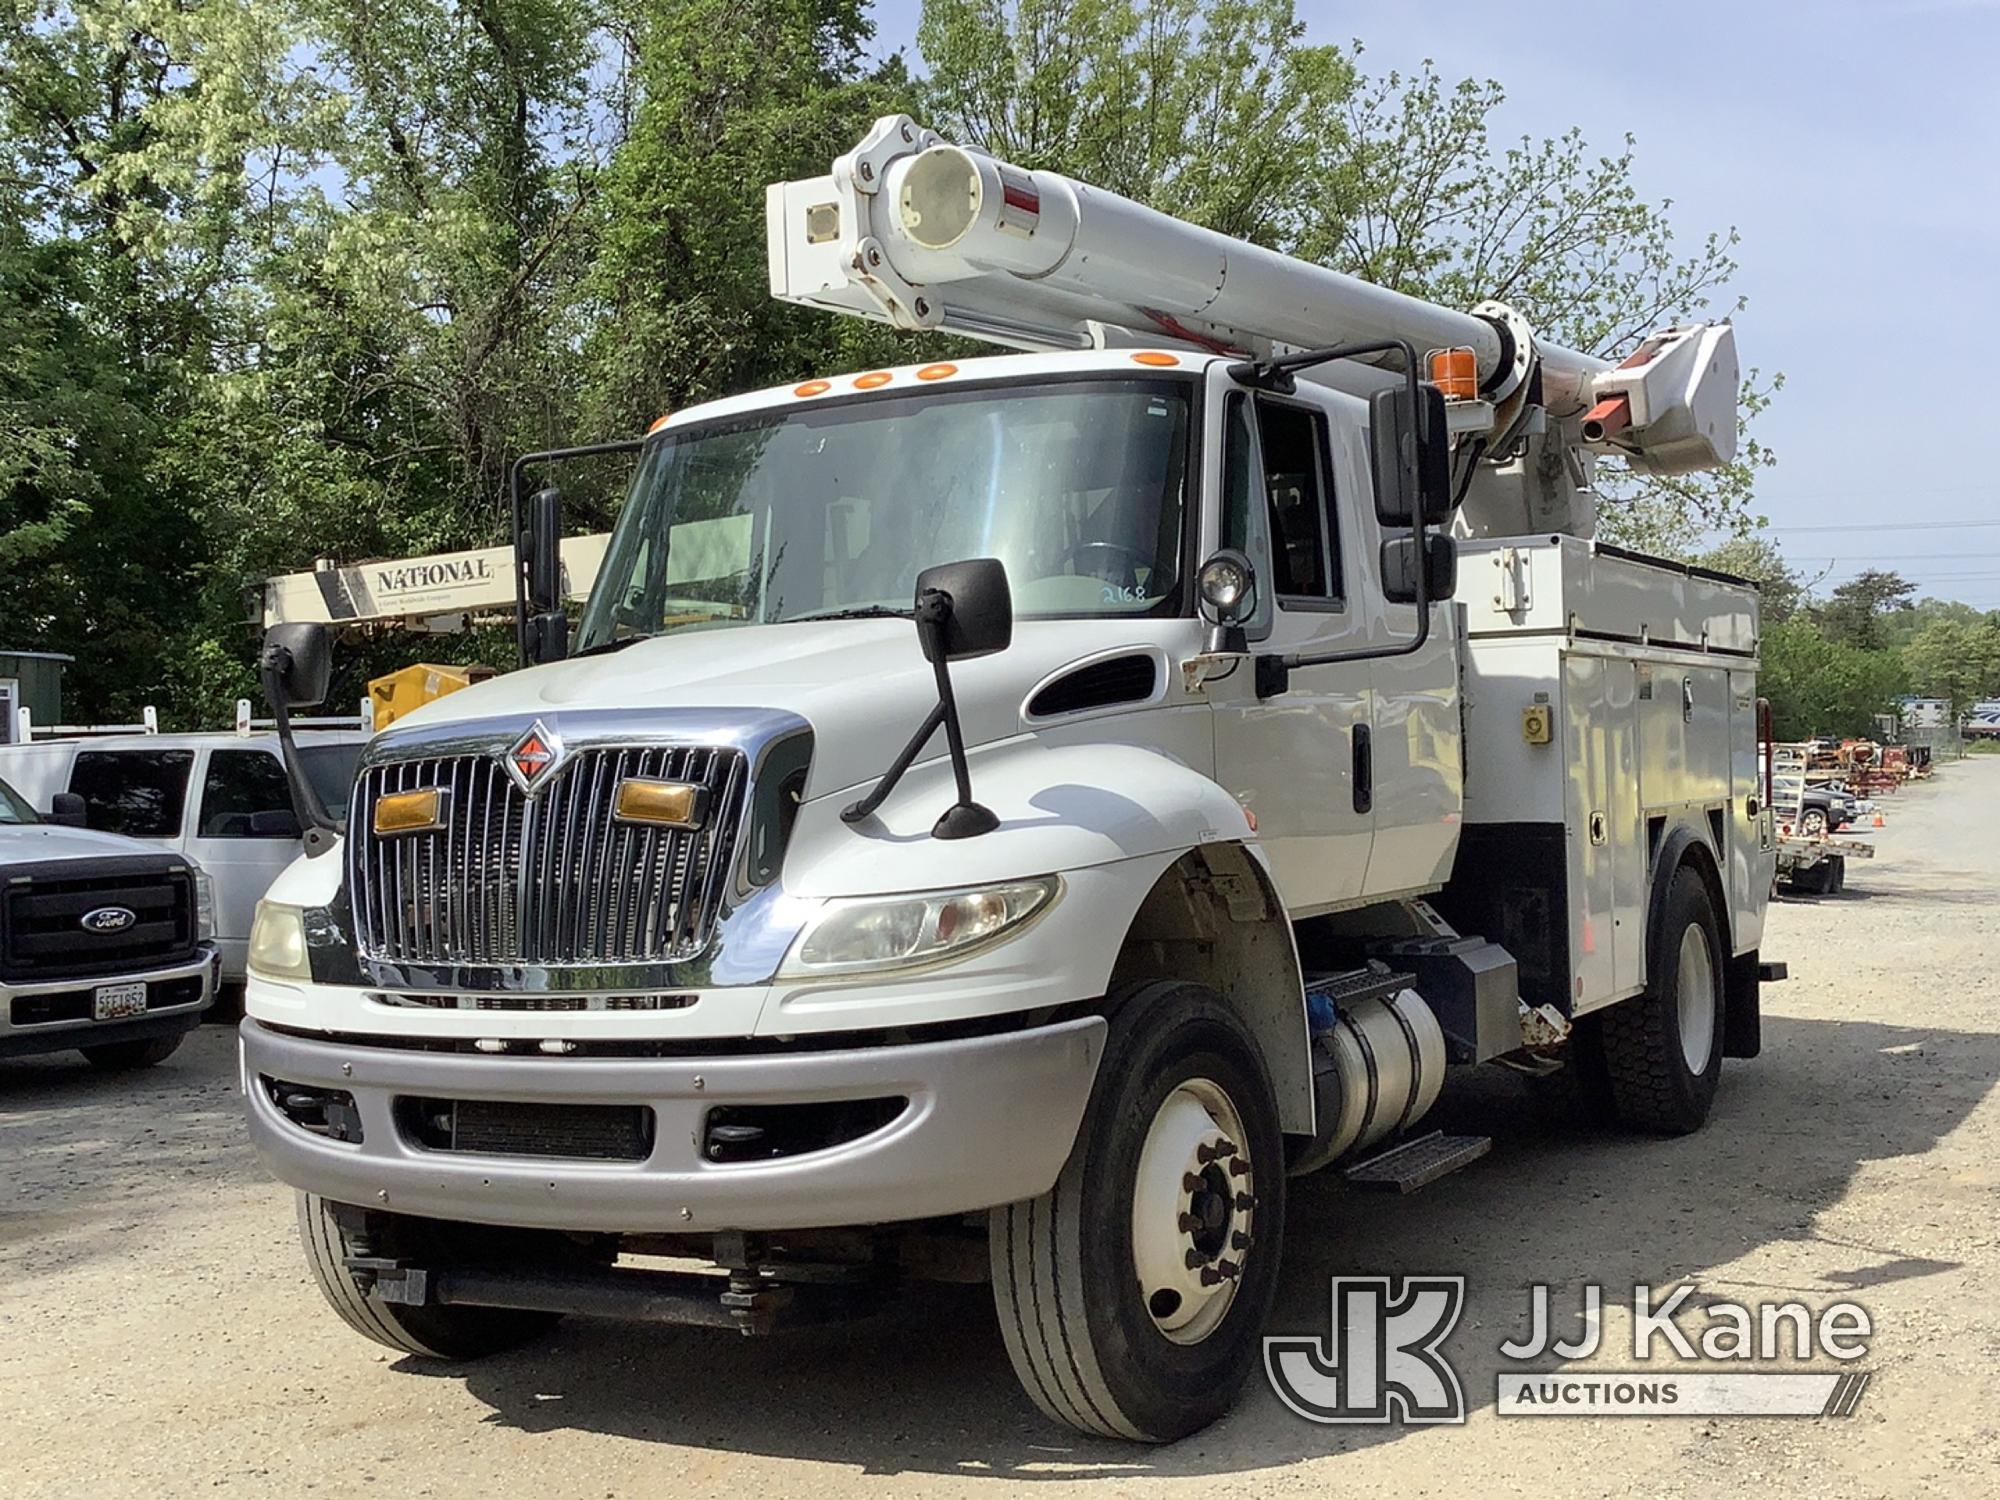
(1132, 1296)
(1654, 1062)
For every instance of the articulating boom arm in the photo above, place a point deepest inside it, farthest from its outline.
(911, 230)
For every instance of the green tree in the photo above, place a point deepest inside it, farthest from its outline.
(1757, 558)
(1955, 659)
(1819, 686)
(1853, 614)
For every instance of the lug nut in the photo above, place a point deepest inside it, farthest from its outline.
(1191, 1183)
(1210, 1276)
(1195, 1258)
(1239, 1241)
(1229, 1270)
(1188, 1223)
(1245, 1202)
(1238, 1167)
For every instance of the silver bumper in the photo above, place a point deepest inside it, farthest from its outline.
(990, 1120)
(160, 1018)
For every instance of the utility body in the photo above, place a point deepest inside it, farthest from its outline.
(1272, 737)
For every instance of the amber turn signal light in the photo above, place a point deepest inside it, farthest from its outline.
(663, 804)
(419, 811)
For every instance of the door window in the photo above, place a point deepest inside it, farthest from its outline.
(240, 785)
(1278, 503)
(139, 793)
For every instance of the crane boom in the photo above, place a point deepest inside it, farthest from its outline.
(912, 230)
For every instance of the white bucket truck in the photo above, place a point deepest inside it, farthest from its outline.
(1271, 737)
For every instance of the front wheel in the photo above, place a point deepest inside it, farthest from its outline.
(436, 1332)
(1132, 1295)
(128, 1057)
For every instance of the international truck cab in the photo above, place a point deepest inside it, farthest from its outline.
(1002, 818)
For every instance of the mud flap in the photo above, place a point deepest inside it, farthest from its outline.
(1742, 1007)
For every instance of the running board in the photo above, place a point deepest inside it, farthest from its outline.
(1418, 1163)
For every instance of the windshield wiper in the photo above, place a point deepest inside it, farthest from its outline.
(605, 648)
(857, 612)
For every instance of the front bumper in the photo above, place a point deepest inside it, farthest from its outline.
(54, 1015)
(990, 1120)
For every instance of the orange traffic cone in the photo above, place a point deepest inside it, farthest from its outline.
(1878, 819)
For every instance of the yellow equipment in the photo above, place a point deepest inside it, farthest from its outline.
(397, 693)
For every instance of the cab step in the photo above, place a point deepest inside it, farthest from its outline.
(1418, 1163)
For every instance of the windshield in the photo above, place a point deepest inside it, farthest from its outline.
(818, 511)
(14, 808)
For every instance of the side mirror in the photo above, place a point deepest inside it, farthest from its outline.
(1399, 568)
(1227, 587)
(980, 619)
(546, 627)
(275, 824)
(68, 810)
(1411, 456)
(297, 663)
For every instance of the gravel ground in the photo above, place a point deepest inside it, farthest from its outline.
(160, 1335)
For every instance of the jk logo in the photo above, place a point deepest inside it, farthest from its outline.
(1380, 1360)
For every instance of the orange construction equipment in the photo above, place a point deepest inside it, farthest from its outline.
(397, 693)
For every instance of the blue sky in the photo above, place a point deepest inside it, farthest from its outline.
(1853, 144)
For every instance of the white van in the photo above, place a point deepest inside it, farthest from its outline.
(220, 799)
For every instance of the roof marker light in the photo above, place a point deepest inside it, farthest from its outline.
(1156, 358)
(659, 422)
(872, 380)
(813, 388)
(937, 372)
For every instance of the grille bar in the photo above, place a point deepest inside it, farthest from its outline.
(549, 880)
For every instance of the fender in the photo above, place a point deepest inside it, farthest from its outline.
(1061, 807)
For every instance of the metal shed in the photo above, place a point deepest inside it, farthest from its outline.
(30, 680)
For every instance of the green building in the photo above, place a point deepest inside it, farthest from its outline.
(30, 680)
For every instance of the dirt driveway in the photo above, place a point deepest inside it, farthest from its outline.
(158, 1335)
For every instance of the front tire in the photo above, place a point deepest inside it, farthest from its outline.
(129, 1057)
(1132, 1296)
(432, 1332)
(1662, 1050)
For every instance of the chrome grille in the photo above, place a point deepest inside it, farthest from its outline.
(551, 879)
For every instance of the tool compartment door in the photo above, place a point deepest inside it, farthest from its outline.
(1606, 836)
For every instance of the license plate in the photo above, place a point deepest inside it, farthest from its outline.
(113, 1002)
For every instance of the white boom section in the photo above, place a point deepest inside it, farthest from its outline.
(911, 230)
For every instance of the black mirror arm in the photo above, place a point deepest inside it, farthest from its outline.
(856, 812)
(320, 827)
(1274, 671)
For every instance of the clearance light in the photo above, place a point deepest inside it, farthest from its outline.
(420, 811)
(659, 422)
(1155, 358)
(872, 380)
(1456, 373)
(661, 804)
(937, 372)
(813, 388)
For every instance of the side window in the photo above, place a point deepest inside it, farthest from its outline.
(1245, 516)
(139, 793)
(1298, 498)
(239, 785)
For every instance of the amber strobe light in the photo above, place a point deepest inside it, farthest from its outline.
(1456, 373)
(419, 811)
(664, 804)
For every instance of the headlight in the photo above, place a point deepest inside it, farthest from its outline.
(900, 932)
(204, 904)
(278, 942)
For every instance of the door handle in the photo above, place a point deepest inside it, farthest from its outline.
(1364, 768)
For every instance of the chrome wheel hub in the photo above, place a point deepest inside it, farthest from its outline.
(1696, 1000)
(1193, 1211)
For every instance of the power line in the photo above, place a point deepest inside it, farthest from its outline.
(1835, 557)
(1893, 527)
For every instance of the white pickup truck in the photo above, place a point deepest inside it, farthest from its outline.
(105, 944)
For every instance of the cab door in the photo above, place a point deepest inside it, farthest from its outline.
(242, 830)
(1300, 761)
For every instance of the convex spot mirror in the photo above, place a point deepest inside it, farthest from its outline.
(298, 662)
(980, 620)
(1227, 588)
(1411, 453)
(1399, 568)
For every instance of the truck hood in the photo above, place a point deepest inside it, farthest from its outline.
(46, 841)
(863, 685)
